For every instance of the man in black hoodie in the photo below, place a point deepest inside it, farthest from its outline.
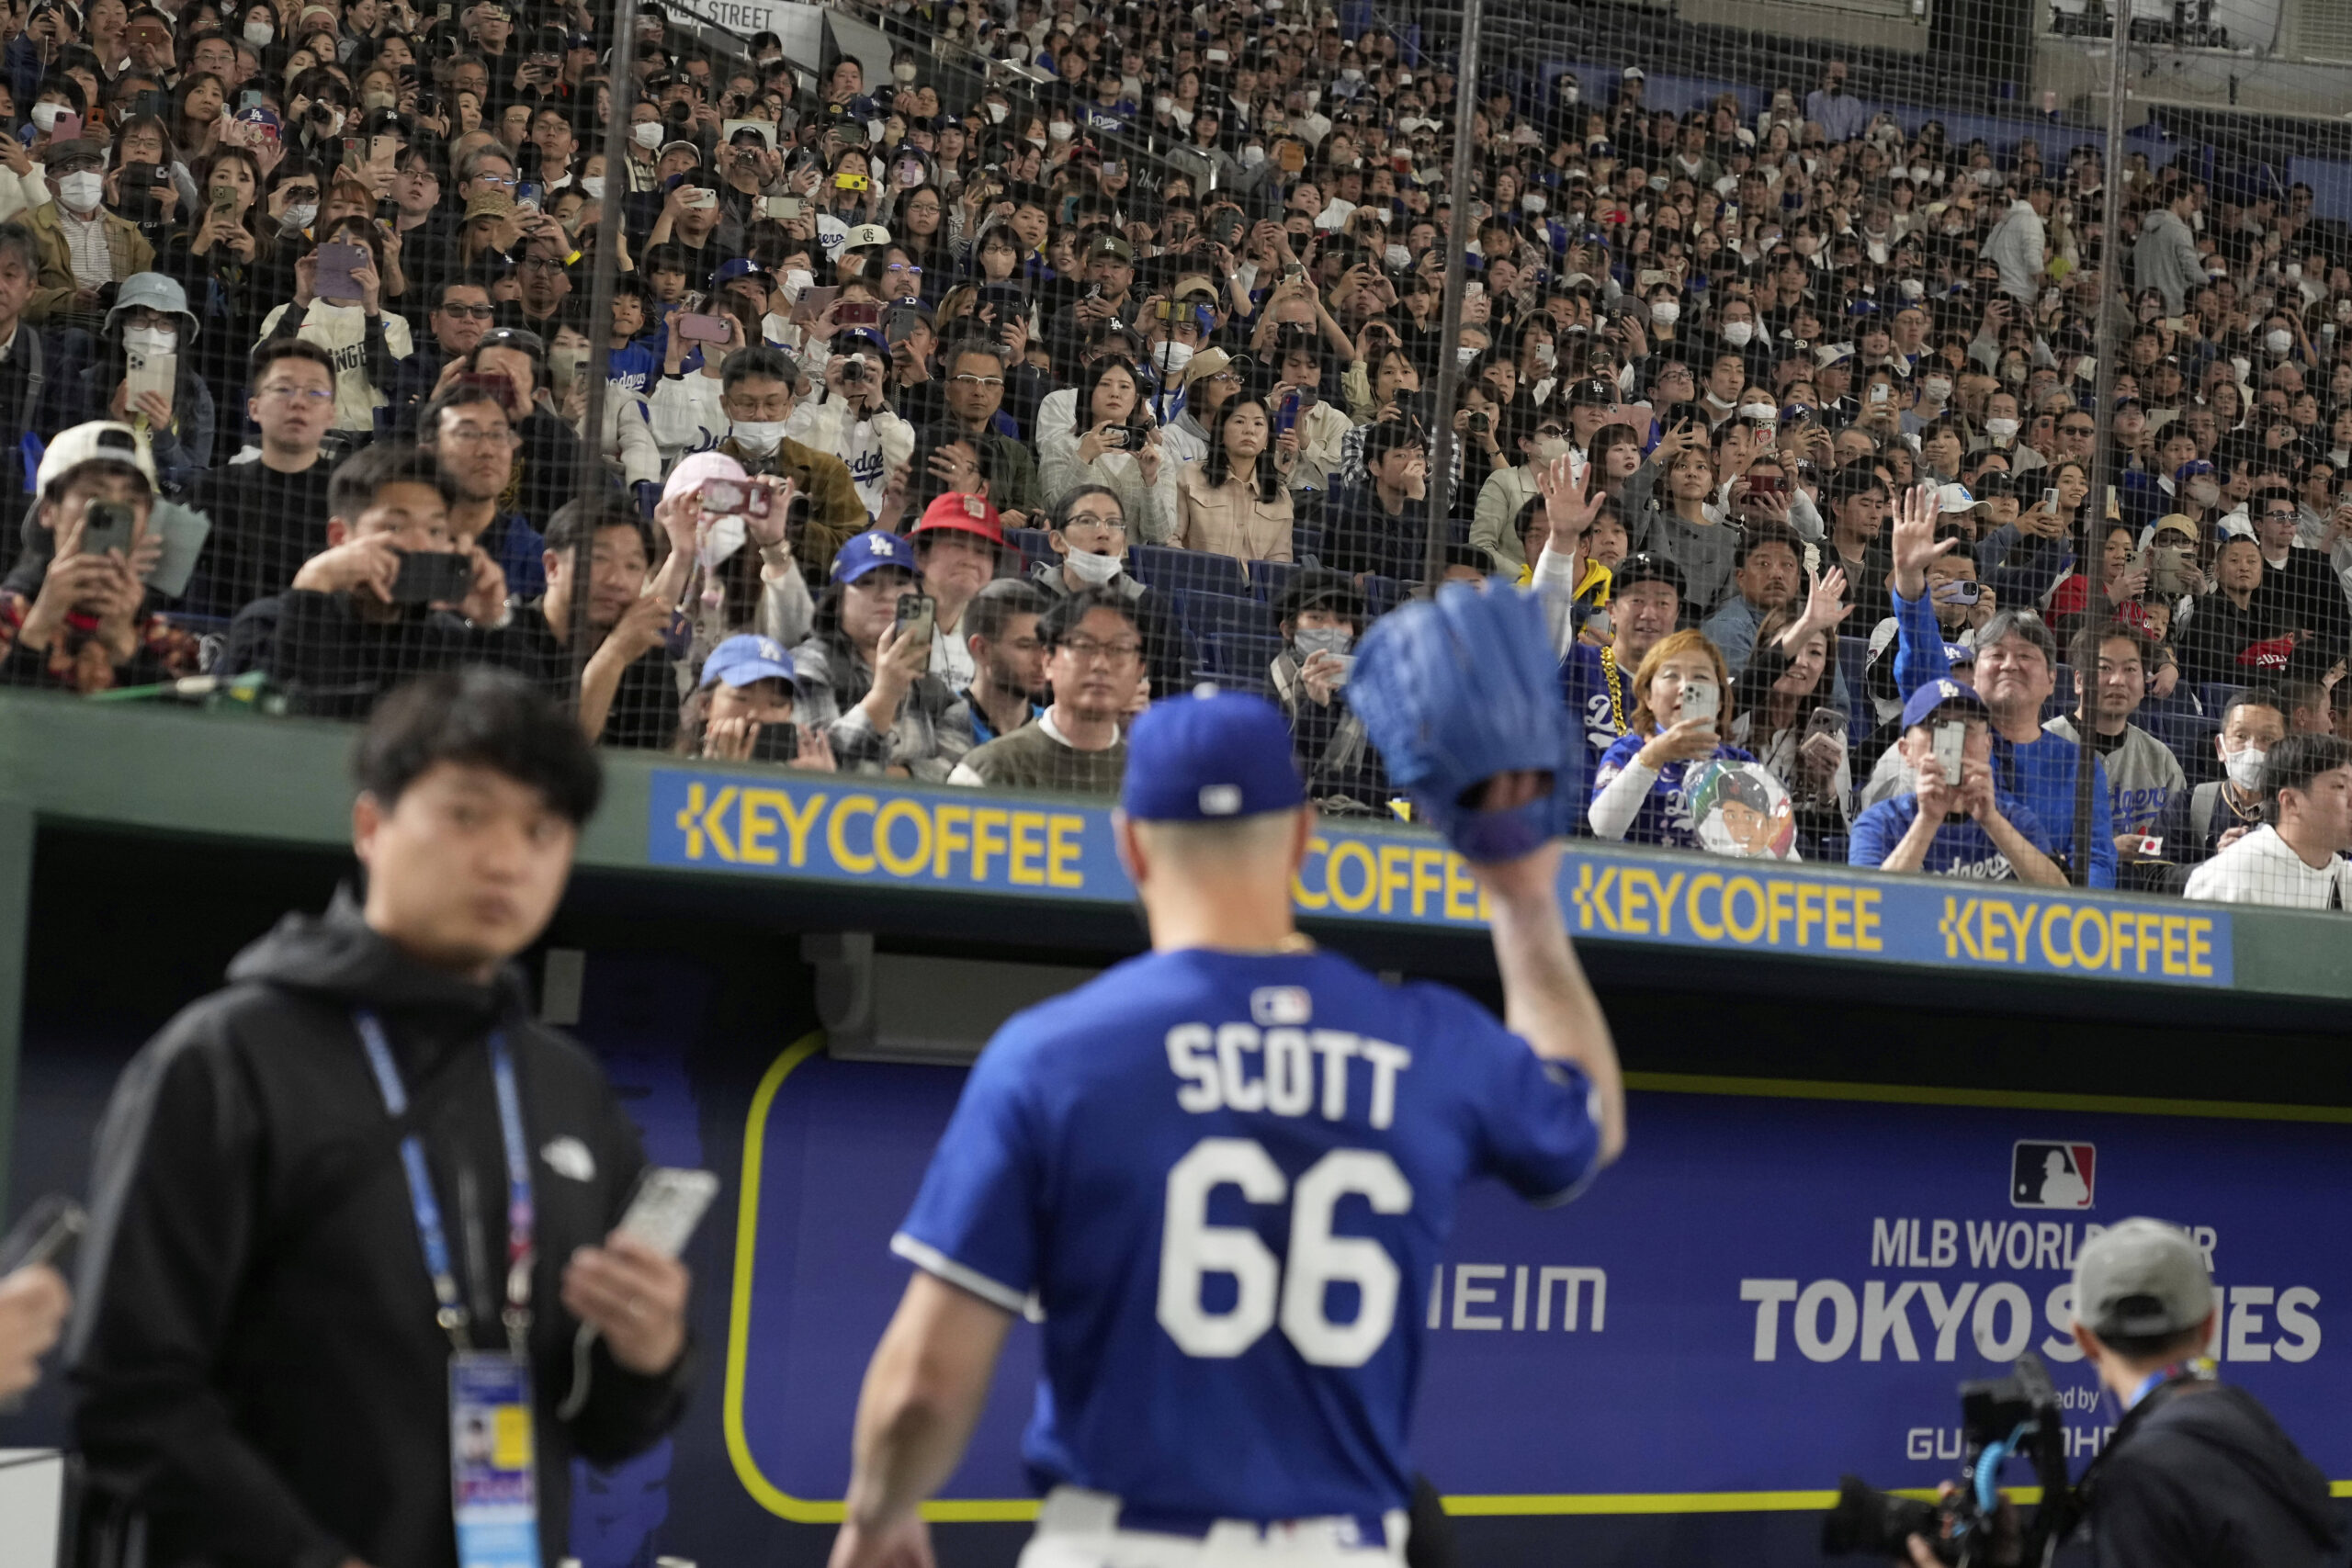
(2196, 1474)
(263, 1360)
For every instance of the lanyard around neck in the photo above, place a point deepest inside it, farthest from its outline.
(453, 1315)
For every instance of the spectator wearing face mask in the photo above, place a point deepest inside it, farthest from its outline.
(1088, 536)
(2295, 858)
(1320, 616)
(149, 325)
(2199, 823)
(84, 250)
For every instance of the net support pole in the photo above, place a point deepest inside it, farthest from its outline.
(1444, 443)
(602, 279)
(2089, 549)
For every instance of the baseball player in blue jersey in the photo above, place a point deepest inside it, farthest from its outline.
(1212, 1173)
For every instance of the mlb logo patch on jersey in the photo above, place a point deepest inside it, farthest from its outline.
(1272, 1006)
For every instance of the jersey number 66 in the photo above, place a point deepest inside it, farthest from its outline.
(1190, 1248)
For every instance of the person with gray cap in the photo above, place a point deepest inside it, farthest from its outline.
(2196, 1474)
(85, 249)
(150, 328)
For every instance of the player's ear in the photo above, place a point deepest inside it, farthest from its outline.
(1131, 856)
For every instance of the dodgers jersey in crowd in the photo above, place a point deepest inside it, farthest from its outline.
(1222, 1177)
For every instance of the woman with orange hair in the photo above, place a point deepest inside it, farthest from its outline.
(1682, 697)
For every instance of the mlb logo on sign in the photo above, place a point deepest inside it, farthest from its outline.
(1274, 1006)
(2053, 1176)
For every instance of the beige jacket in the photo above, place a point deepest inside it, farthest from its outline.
(1230, 519)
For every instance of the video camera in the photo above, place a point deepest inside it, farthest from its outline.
(2001, 1418)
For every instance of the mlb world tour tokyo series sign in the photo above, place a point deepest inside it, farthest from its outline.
(1778, 1284)
(963, 842)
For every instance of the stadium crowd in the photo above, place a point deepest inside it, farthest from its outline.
(953, 417)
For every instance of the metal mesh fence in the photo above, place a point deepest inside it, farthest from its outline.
(924, 390)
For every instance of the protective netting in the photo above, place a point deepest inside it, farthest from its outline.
(979, 374)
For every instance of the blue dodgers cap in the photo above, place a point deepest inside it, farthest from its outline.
(1941, 693)
(1208, 757)
(739, 660)
(870, 551)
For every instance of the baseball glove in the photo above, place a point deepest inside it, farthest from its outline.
(1457, 690)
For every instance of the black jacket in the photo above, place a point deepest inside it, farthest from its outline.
(2199, 1477)
(256, 1360)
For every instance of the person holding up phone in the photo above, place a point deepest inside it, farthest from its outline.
(82, 623)
(338, 304)
(145, 375)
(1682, 708)
(1112, 442)
(1964, 825)
(396, 592)
(864, 671)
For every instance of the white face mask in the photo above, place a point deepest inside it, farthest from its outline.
(646, 133)
(758, 437)
(1666, 313)
(298, 217)
(1762, 413)
(45, 116)
(1312, 640)
(259, 34)
(378, 100)
(2278, 339)
(1091, 569)
(1162, 104)
(1912, 288)
(2204, 492)
(594, 185)
(904, 72)
(1061, 130)
(1397, 257)
(1253, 156)
(1738, 333)
(81, 190)
(1169, 359)
(1551, 449)
(1937, 387)
(796, 282)
(2245, 767)
(151, 340)
(1532, 201)
(719, 545)
(1464, 355)
(996, 113)
(2001, 429)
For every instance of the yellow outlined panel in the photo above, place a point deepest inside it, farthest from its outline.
(1015, 1510)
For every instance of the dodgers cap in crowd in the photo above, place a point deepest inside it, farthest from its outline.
(1208, 757)
(1943, 693)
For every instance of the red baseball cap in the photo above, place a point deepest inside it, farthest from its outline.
(966, 514)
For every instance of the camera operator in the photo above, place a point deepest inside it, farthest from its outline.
(2196, 1474)
(853, 421)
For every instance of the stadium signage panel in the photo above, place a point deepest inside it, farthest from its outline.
(841, 830)
(1657, 1345)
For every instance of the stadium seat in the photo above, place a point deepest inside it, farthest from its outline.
(1207, 614)
(1237, 660)
(1270, 578)
(1176, 571)
(2214, 695)
(1031, 544)
(1383, 595)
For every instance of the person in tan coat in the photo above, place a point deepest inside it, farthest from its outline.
(1235, 501)
(77, 206)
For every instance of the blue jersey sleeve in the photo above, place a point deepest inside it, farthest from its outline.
(2102, 827)
(1540, 1120)
(1877, 831)
(1919, 643)
(975, 1222)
